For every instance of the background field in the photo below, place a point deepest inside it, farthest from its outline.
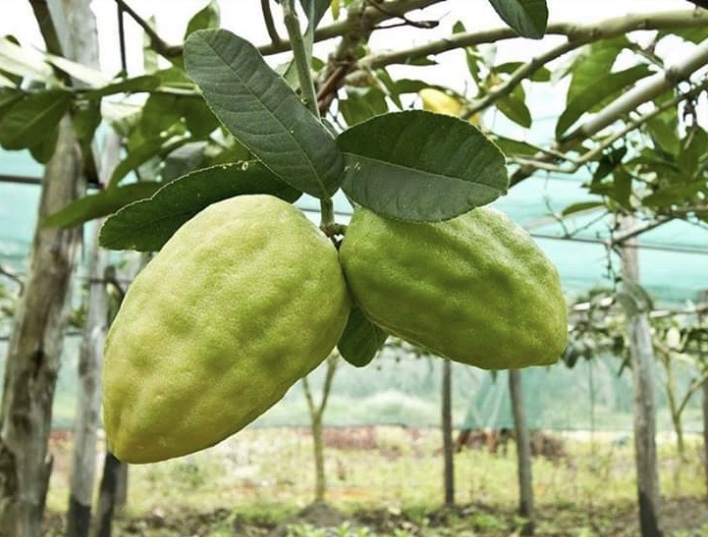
(389, 478)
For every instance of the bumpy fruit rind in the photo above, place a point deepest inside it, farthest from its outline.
(475, 289)
(245, 299)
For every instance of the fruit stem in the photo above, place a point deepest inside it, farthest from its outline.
(301, 56)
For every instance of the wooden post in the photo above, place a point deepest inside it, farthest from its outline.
(523, 452)
(448, 451)
(643, 362)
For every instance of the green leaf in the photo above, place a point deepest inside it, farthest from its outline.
(361, 339)
(43, 151)
(421, 166)
(513, 106)
(604, 90)
(262, 112)
(102, 204)
(198, 117)
(146, 225)
(208, 17)
(528, 18)
(30, 121)
(314, 10)
(132, 85)
(26, 63)
(82, 73)
(581, 207)
(509, 146)
(159, 113)
(85, 118)
(8, 98)
(151, 148)
(542, 74)
(593, 63)
(362, 104)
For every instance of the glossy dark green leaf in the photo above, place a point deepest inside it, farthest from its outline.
(101, 204)
(262, 112)
(421, 166)
(361, 339)
(147, 224)
(31, 120)
(528, 18)
(605, 89)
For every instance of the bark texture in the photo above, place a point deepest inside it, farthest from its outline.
(643, 363)
(34, 351)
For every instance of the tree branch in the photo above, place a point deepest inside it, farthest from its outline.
(393, 9)
(160, 46)
(581, 34)
(523, 72)
(269, 22)
(607, 142)
(645, 91)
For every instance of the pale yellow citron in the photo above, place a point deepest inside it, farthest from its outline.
(440, 102)
(475, 289)
(245, 299)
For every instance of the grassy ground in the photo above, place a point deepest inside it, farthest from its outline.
(388, 481)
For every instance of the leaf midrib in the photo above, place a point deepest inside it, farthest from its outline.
(309, 161)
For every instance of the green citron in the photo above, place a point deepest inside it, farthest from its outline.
(475, 289)
(245, 299)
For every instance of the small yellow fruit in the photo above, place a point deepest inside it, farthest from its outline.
(475, 288)
(440, 102)
(245, 299)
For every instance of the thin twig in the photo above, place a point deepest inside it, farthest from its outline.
(160, 46)
(301, 56)
(425, 25)
(522, 73)
(395, 8)
(270, 23)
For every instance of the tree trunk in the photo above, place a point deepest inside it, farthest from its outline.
(88, 406)
(107, 496)
(523, 452)
(316, 424)
(448, 458)
(88, 398)
(318, 447)
(34, 351)
(642, 356)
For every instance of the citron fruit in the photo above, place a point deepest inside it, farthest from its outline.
(475, 289)
(245, 299)
(440, 102)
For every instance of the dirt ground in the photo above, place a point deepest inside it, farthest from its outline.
(190, 512)
(682, 517)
